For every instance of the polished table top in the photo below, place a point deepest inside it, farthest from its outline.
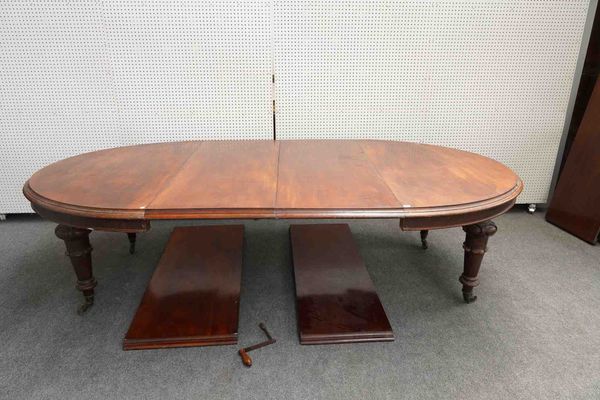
(277, 179)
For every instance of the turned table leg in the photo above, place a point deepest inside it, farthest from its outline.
(475, 247)
(79, 251)
(131, 237)
(424, 239)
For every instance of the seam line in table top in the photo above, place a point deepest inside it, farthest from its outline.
(163, 185)
(374, 168)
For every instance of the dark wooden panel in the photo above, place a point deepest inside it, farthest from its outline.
(575, 206)
(589, 75)
(193, 296)
(335, 297)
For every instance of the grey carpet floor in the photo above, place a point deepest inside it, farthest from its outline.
(534, 332)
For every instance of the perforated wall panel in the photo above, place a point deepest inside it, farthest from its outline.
(487, 76)
(493, 77)
(84, 75)
(191, 69)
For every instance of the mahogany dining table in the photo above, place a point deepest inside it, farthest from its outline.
(425, 187)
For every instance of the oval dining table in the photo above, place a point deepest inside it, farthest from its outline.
(425, 187)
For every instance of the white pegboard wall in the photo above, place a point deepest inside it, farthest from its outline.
(55, 98)
(183, 69)
(493, 77)
(80, 76)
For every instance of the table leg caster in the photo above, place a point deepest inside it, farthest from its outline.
(131, 237)
(87, 304)
(424, 239)
(469, 297)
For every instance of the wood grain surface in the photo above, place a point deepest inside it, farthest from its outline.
(223, 175)
(422, 175)
(124, 178)
(266, 179)
(575, 206)
(194, 294)
(334, 174)
(336, 299)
